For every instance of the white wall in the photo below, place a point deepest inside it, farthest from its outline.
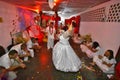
(106, 33)
(13, 18)
(8, 13)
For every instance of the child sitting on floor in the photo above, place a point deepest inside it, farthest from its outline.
(106, 62)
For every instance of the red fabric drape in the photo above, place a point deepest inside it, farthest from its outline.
(77, 20)
(117, 70)
(56, 19)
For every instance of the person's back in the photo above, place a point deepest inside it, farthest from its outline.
(4, 60)
(17, 47)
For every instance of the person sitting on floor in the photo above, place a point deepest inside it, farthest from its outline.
(36, 47)
(105, 62)
(11, 62)
(24, 52)
(91, 50)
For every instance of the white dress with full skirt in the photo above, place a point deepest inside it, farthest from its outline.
(64, 58)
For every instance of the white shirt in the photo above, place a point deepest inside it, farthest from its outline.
(17, 48)
(5, 61)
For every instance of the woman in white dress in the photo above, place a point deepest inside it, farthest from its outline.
(64, 58)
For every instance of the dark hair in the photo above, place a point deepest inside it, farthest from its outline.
(95, 44)
(2, 51)
(79, 35)
(65, 28)
(23, 46)
(1, 67)
(9, 47)
(36, 39)
(111, 54)
(12, 52)
(32, 38)
(52, 23)
(73, 23)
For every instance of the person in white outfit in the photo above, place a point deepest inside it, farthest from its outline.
(63, 56)
(11, 61)
(17, 47)
(50, 34)
(25, 53)
(84, 44)
(91, 50)
(30, 47)
(106, 62)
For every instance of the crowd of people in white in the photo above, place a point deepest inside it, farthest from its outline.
(63, 56)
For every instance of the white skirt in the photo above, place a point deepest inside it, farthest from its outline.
(65, 59)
